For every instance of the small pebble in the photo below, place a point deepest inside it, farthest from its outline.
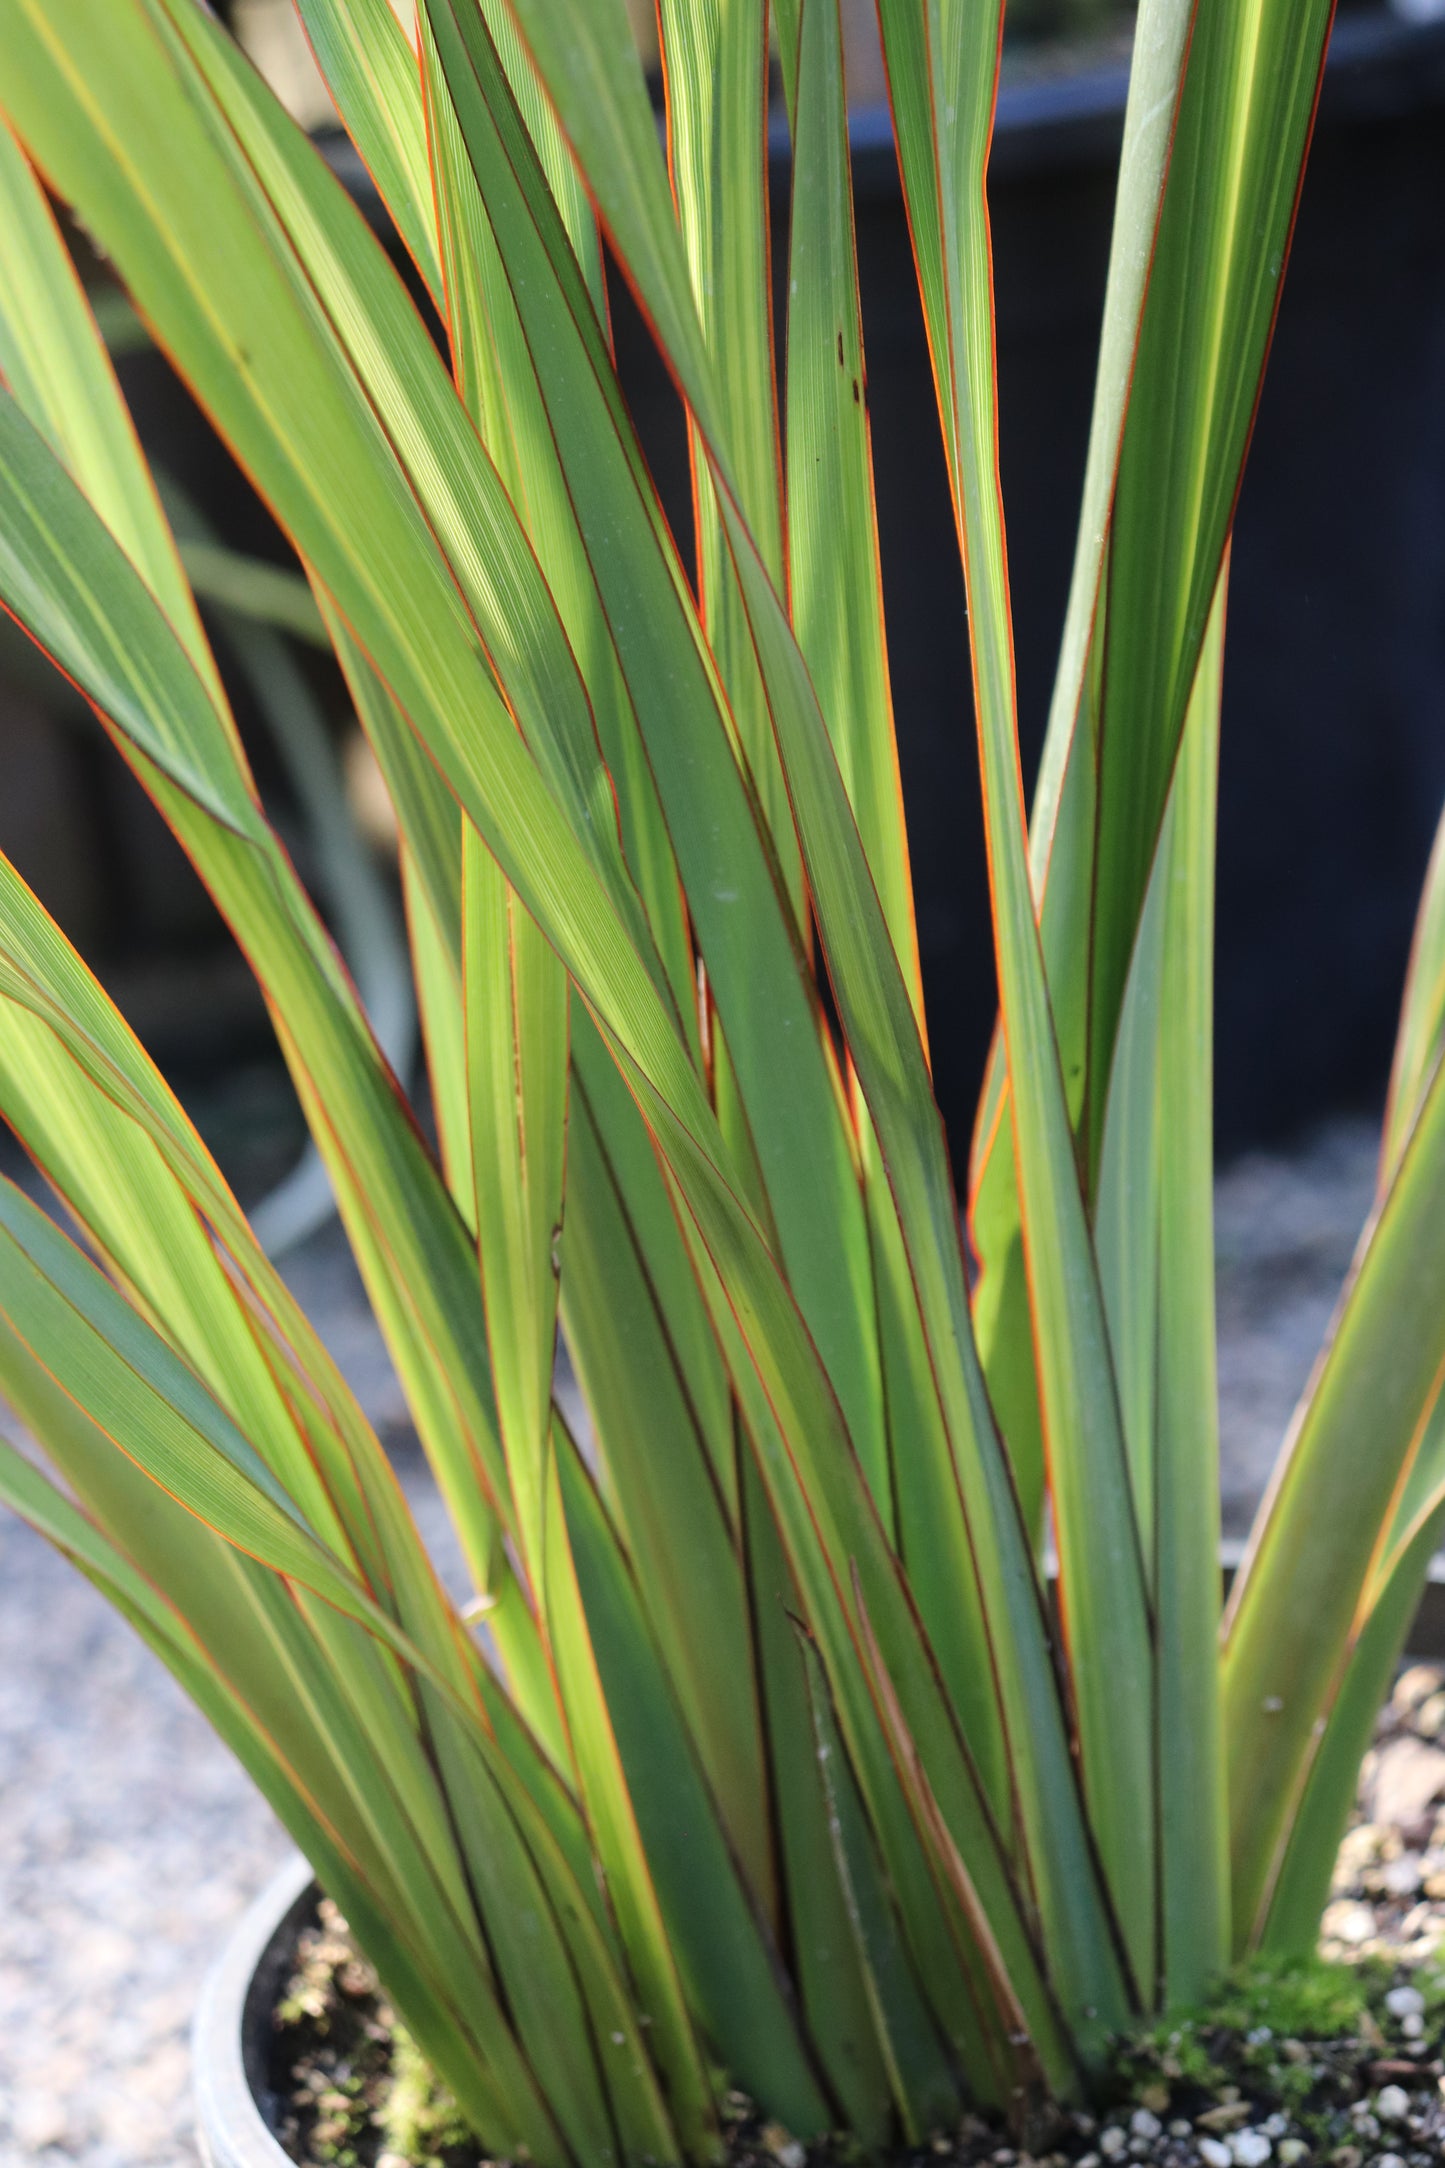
(1215, 2153)
(1392, 2104)
(1275, 2126)
(1405, 2002)
(1400, 1877)
(1180, 2129)
(1144, 2123)
(1113, 2143)
(1412, 2025)
(1290, 2150)
(784, 2148)
(1359, 1847)
(1429, 1718)
(1249, 2149)
(1087, 2160)
(1389, 2160)
(1229, 2115)
(1415, 1685)
(1348, 1921)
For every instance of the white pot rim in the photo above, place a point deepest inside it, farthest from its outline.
(234, 2008)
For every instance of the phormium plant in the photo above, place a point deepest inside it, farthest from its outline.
(763, 1754)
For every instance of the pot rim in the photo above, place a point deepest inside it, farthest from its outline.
(225, 2079)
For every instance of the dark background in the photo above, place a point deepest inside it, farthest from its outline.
(1333, 761)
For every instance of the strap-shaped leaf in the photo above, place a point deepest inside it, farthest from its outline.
(764, 995)
(493, 371)
(1156, 1256)
(612, 1812)
(1194, 283)
(853, 2011)
(56, 365)
(830, 1531)
(1320, 1811)
(1368, 1663)
(322, 1025)
(1161, 46)
(806, 1152)
(188, 1640)
(1213, 288)
(346, 1705)
(1324, 1790)
(836, 600)
(656, 1468)
(715, 77)
(371, 72)
(77, 595)
(144, 1225)
(716, 1936)
(835, 579)
(593, 79)
(136, 1388)
(1376, 1379)
(1422, 1013)
(84, 1146)
(916, 2070)
(942, 64)
(381, 562)
(456, 485)
(515, 994)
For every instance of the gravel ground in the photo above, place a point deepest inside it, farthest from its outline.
(1285, 1230)
(129, 1841)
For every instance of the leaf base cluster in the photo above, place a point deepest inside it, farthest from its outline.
(1302, 2048)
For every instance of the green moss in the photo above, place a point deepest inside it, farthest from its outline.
(1295, 1998)
(417, 2116)
(1178, 2051)
(1262, 2033)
